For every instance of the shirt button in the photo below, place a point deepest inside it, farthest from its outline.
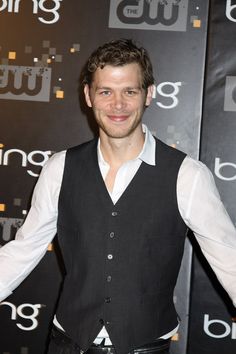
(108, 278)
(112, 234)
(107, 300)
(110, 256)
(114, 213)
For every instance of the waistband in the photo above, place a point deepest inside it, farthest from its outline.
(62, 339)
(154, 347)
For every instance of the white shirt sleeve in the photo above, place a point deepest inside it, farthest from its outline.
(203, 212)
(20, 256)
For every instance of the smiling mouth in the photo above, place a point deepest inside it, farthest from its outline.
(118, 118)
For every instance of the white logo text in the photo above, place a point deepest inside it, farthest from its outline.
(22, 311)
(226, 329)
(13, 6)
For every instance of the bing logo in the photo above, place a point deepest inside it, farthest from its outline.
(38, 6)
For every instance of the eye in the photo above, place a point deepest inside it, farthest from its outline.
(131, 92)
(105, 93)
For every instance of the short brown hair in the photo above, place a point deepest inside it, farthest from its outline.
(118, 53)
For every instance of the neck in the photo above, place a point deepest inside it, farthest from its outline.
(117, 151)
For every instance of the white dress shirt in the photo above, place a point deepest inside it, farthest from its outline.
(198, 202)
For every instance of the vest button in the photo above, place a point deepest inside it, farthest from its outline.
(114, 213)
(108, 278)
(112, 234)
(107, 300)
(101, 321)
(110, 256)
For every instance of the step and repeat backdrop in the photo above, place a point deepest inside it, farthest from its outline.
(212, 318)
(43, 47)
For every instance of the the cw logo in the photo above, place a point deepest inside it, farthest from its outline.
(136, 12)
(25, 83)
(8, 227)
(149, 14)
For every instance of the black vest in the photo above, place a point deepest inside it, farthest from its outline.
(121, 260)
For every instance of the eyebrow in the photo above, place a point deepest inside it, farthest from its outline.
(124, 88)
(102, 88)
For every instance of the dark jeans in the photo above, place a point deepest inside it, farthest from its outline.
(61, 344)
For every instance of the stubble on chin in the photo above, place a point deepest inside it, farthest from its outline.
(118, 132)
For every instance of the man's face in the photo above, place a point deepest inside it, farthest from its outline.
(118, 99)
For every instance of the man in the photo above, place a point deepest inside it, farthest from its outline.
(121, 206)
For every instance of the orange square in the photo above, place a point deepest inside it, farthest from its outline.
(12, 55)
(197, 23)
(2, 207)
(59, 94)
(175, 337)
(50, 247)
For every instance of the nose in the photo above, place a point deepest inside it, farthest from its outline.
(118, 101)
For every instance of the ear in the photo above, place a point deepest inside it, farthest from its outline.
(87, 95)
(150, 91)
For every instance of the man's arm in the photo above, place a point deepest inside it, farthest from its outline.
(202, 210)
(20, 256)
